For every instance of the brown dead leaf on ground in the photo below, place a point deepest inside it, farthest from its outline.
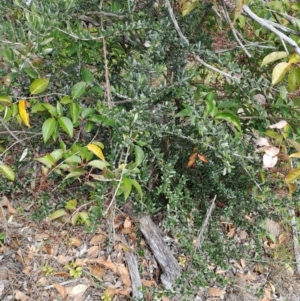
(20, 296)
(97, 240)
(5, 203)
(93, 252)
(61, 290)
(215, 292)
(97, 271)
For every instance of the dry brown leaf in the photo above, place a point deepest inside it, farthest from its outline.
(127, 222)
(43, 281)
(231, 233)
(243, 263)
(27, 270)
(63, 259)
(75, 241)
(97, 240)
(47, 249)
(108, 264)
(165, 299)
(125, 292)
(215, 292)
(78, 289)
(250, 219)
(126, 230)
(93, 251)
(20, 296)
(192, 160)
(243, 235)
(124, 247)
(62, 274)
(282, 238)
(61, 290)
(97, 271)
(202, 158)
(148, 283)
(124, 274)
(5, 203)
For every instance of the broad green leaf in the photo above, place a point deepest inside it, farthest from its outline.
(279, 72)
(229, 117)
(137, 187)
(97, 89)
(66, 125)
(87, 75)
(89, 126)
(31, 72)
(23, 104)
(274, 56)
(85, 218)
(209, 106)
(14, 109)
(57, 154)
(57, 214)
(126, 187)
(75, 218)
(7, 114)
(292, 176)
(139, 155)
(75, 174)
(62, 145)
(294, 79)
(74, 111)
(38, 86)
(59, 109)
(73, 159)
(66, 100)
(78, 89)
(227, 104)
(46, 161)
(5, 101)
(188, 6)
(96, 150)
(39, 107)
(87, 112)
(185, 112)
(71, 204)
(48, 128)
(50, 109)
(98, 164)
(7, 172)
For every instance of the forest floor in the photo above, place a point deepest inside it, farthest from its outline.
(43, 260)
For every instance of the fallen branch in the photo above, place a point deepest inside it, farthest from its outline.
(166, 260)
(133, 268)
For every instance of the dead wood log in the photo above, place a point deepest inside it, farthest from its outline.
(133, 268)
(161, 252)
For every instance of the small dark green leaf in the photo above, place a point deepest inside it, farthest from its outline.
(87, 75)
(74, 111)
(229, 117)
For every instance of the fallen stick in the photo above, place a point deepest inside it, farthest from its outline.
(161, 252)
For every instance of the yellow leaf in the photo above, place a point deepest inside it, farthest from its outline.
(96, 150)
(23, 104)
(279, 72)
(188, 6)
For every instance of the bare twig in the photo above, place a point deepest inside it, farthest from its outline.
(269, 26)
(215, 69)
(295, 240)
(204, 226)
(227, 18)
(107, 84)
(103, 13)
(175, 22)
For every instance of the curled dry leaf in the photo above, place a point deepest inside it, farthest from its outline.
(192, 161)
(61, 290)
(269, 162)
(202, 158)
(262, 142)
(279, 125)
